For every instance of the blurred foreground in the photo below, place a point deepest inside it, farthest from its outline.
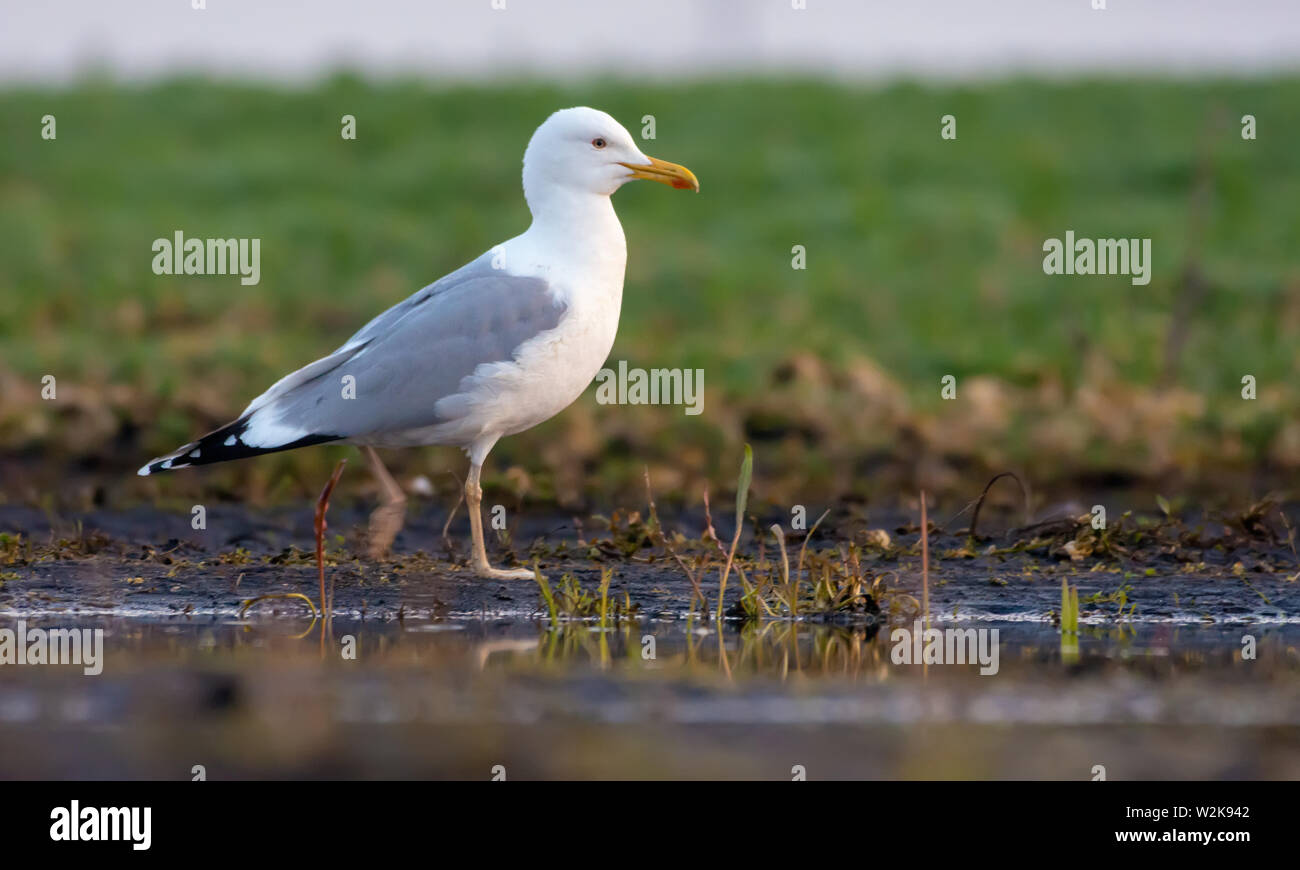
(245, 699)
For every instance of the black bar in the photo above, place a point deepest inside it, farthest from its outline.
(305, 820)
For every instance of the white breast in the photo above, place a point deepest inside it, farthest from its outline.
(553, 369)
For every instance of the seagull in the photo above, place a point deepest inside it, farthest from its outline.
(494, 348)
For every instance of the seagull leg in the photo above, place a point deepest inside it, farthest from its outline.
(479, 560)
(386, 520)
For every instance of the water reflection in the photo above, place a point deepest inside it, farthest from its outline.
(779, 650)
(647, 698)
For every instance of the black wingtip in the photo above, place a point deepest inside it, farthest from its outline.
(223, 445)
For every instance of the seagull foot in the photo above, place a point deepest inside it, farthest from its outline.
(491, 573)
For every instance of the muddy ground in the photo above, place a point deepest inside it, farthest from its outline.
(148, 561)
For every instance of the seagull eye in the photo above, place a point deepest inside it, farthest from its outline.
(598, 142)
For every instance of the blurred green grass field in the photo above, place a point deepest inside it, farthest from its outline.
(923, 260)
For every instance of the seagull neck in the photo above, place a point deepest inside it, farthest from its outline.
(566, 218)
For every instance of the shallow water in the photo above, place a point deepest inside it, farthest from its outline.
(457, 697)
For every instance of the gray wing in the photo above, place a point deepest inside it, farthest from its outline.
(408, 358)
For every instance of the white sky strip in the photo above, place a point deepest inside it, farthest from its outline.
(471, 40)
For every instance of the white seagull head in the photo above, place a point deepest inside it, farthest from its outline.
(585, 151)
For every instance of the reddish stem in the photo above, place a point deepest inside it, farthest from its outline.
(322, 506)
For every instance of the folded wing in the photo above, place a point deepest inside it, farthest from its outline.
(390, 375)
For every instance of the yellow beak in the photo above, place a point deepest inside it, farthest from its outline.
(665, 173)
